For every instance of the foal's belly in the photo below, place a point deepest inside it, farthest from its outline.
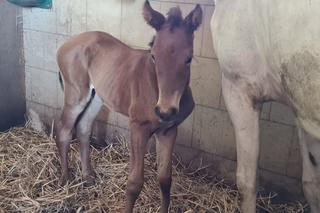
(112, 90)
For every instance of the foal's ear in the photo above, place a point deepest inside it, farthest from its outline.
(152, 17)
(194, 19)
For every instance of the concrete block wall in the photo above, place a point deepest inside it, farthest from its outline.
(208, 131)
(12, 75)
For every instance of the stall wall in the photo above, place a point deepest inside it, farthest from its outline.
(12, 85)
(208, 132)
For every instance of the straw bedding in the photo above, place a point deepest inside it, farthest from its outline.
(29, 172)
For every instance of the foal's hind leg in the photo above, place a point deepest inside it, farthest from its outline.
(74, 104)
(84, 128)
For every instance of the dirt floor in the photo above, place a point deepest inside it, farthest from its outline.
(29, 172)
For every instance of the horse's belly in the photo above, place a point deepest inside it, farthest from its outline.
(285, 35)
(301, 82)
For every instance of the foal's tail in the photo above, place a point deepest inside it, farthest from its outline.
(92, 94)
(61, 81)
(93, 91)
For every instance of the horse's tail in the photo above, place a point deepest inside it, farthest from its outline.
(61, 81)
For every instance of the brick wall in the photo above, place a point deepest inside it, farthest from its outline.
(208, 131)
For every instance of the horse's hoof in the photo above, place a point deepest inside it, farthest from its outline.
(89, 181)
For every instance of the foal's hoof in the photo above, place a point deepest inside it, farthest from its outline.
(98, 144)
(89, 180)
(64, 180)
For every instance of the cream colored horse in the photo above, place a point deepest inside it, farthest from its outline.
(269, 50)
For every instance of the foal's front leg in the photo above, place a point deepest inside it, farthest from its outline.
(165, 143)
(138, 146)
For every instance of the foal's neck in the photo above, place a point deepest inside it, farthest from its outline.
(150, 70)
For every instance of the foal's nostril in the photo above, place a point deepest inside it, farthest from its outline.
(165, 116)
(172, 112)
(157, 111)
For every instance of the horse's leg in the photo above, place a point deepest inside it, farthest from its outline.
(84, 128)
(165, 143)
(138, 146)
(310, 152)
(245, 119)
(74, 103)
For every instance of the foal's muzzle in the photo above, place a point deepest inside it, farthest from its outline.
(166, 116)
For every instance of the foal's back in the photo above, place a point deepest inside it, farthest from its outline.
(99, 59)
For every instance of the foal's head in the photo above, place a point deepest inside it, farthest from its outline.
(171, 52)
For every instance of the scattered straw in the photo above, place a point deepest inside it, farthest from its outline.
(29, 172)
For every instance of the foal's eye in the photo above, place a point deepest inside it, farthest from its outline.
(188, 61)
(153, 59)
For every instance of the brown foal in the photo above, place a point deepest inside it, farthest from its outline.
(151, 87)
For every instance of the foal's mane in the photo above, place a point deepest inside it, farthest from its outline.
(174, 19)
